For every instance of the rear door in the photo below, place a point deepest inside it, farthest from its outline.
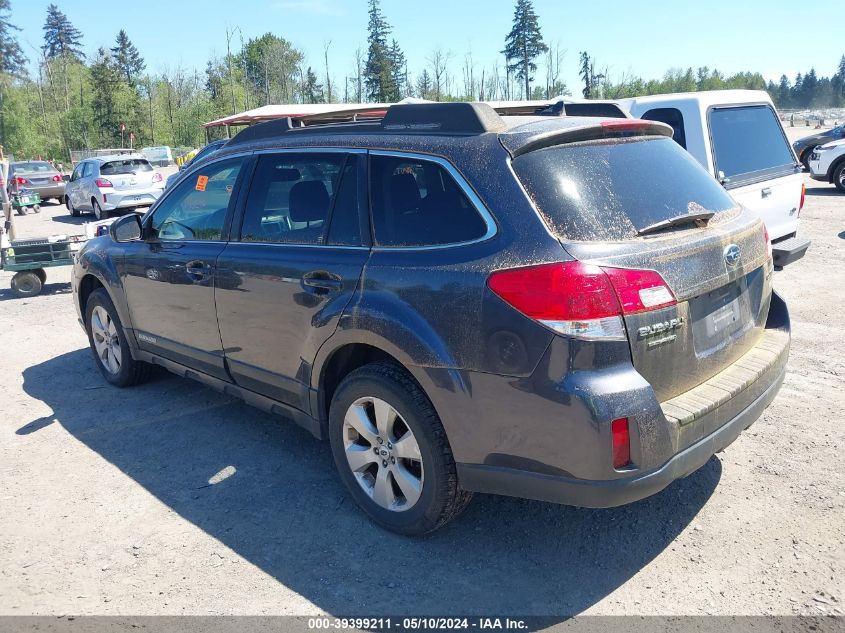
(294, 267)
(760, 171)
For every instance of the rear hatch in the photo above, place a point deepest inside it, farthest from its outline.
(643, 203)
(128, 174)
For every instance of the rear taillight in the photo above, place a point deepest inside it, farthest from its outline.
(621, 442)
(57, 178)
(21, 181)
(102, 182)
(156, 177)
(803, 195)
(581, 300)
(769, 249)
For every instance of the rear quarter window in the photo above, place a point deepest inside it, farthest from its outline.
(610, 189)
(749, 143)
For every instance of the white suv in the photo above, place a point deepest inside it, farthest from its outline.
(827, 163)
(112, 183)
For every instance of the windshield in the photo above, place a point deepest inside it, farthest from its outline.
(128, 166)
(611, 189)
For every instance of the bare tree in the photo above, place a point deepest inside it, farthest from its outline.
(439, 62)
(329, 95)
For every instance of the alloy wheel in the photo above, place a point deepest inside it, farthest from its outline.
(383, 454)
(106, 340)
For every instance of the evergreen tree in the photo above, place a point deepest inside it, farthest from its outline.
(424, 85)
(783, 96)
(586, 73)
(12, 59)
(397, 72)
(524, 43)
(127, 58)
(378, 71)
(61, 38)
(105, 79)
(312, 91)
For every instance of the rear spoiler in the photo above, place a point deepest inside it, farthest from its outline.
(614, 128)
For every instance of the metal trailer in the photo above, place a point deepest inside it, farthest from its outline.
(28, 259)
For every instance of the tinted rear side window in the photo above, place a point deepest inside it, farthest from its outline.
(749, 141)
(671, 117)
(125, 166)
(608, 190)
(417, 203)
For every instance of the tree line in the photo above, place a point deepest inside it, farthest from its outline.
(112, 99)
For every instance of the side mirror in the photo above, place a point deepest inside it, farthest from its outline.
(126, 229)
(66, 177)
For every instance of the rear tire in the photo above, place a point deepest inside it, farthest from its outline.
(109, 345)
(26, 283)
(37, 208)
(839, 177)
(42, 275)
(98, 211)
(412, 487)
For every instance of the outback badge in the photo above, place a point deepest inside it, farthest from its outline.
(659, 333)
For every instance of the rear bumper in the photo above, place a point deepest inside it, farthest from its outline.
(789, 250)
(617, 492)
(49, 191)
(702, 422)
(131, 199)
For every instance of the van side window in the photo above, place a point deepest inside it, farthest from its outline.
(290, 198)
(417, 203)
(671, 117)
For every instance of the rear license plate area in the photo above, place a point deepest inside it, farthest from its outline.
(720, 317)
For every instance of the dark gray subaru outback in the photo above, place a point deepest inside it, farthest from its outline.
(560, 308)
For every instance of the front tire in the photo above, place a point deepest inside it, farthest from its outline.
(805, 158)
(392, 453)
(839, 177)
(108, 342)
(74, 212)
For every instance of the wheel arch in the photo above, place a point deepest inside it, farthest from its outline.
(87, 285)
(834, 166)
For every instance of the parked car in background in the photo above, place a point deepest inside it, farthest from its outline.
(110, 184)
(206, 151)
(160, 156)
(560, 308)
(737, 137)
(804, 146)
(827, 163)
(39, 176)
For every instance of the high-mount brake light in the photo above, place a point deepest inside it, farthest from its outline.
(581, 300)
(102, 182)
(625, 124)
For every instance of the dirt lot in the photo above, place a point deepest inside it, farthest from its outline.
(172, 499)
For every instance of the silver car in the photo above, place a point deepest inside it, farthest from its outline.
(112, 184)
(39, 176)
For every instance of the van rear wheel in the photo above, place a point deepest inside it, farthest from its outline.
(391, 451)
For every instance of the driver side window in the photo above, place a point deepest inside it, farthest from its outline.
(197, 208)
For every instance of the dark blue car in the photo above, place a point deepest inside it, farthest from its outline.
(560, 308)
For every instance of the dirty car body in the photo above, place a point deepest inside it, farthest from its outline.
(575, 348)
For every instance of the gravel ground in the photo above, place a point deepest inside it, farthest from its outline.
(172, 499)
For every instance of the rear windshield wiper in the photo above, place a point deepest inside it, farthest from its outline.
(699, 219)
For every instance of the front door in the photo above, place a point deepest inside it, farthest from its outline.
(286, 281)
(169, 277)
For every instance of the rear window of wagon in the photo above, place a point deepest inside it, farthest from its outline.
(610, 189)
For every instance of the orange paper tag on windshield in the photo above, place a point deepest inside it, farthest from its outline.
(201, 182)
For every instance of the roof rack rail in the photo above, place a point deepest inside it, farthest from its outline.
(454, 118)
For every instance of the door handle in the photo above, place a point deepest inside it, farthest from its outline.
(766, 192)
(321, 280)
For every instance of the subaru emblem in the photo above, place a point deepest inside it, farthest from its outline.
(732, 255)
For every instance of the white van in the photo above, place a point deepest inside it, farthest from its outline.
(737, 136)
